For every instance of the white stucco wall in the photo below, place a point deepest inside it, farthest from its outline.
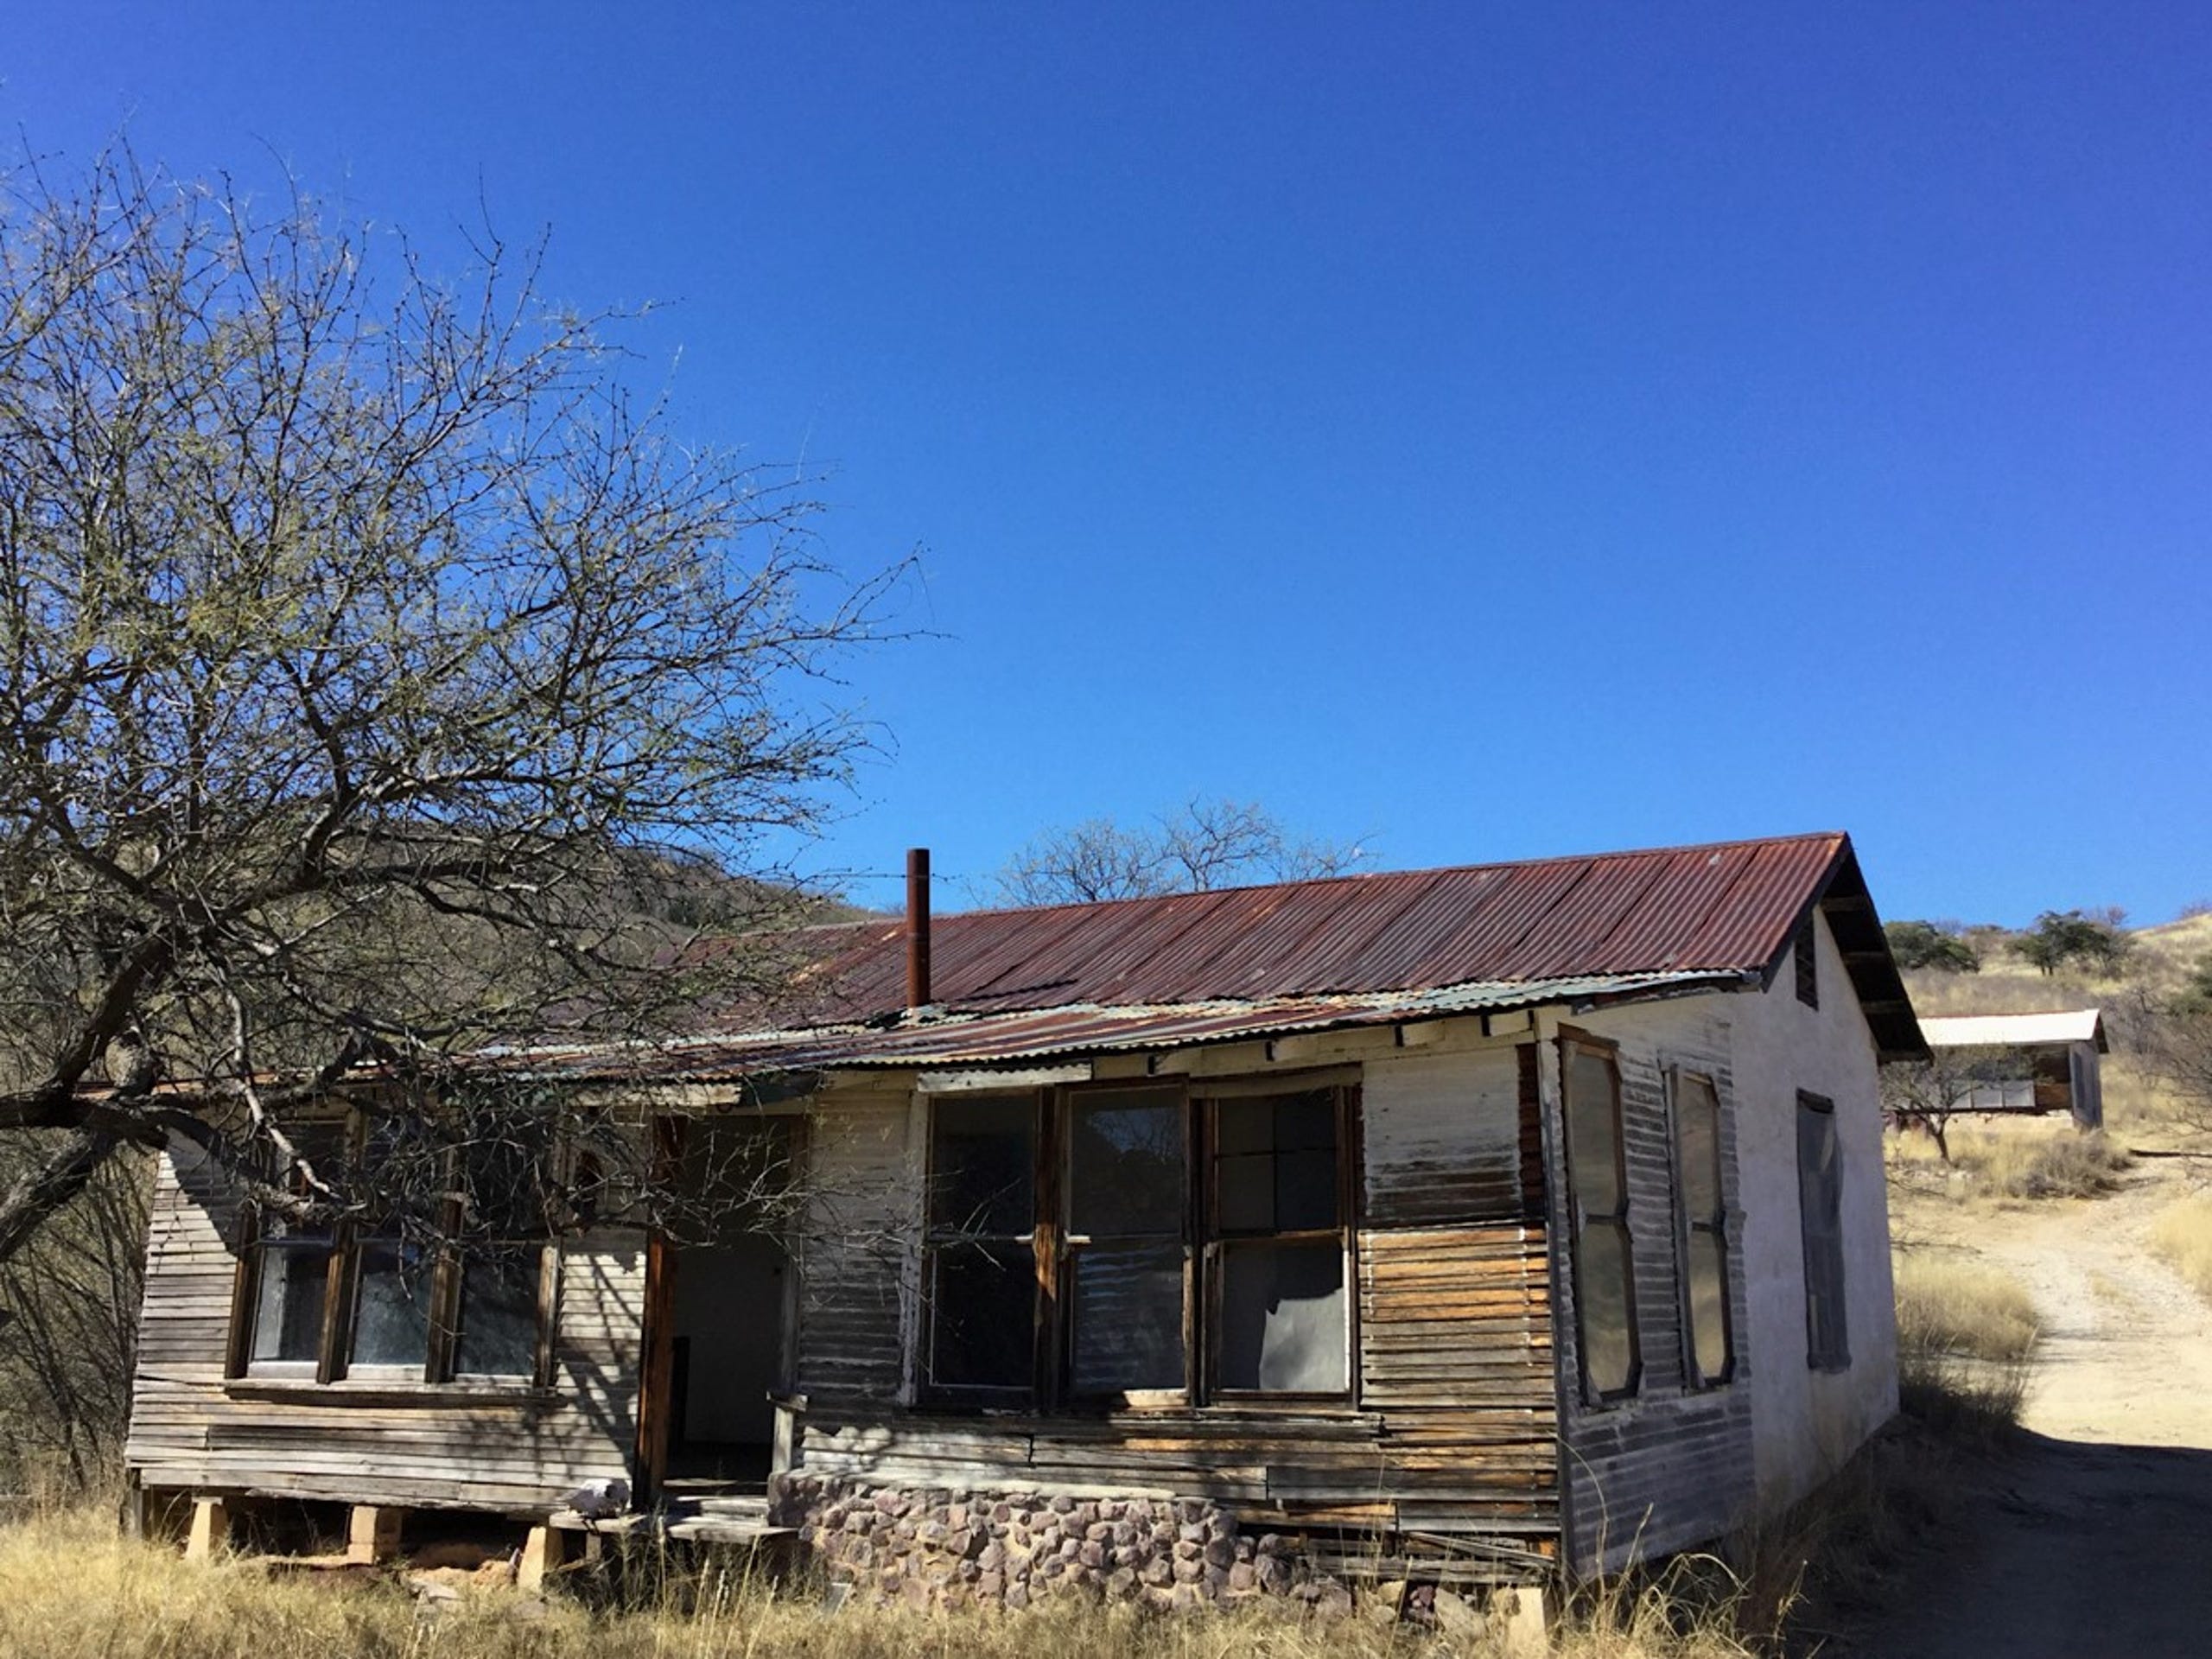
(1805, 1422)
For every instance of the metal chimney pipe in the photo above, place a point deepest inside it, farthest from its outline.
(918, 927)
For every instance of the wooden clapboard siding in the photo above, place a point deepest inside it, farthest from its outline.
(1454, 1430)
(855, 1248)
(517, 1448)
(1673, 1466)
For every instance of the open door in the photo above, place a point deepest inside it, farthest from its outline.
(717, 1301)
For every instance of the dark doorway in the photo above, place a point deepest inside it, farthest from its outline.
(724, 1302)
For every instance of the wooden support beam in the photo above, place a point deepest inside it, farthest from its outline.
(542, 1553)
(211, 1528)
(372, 1532)
(1518, 1622)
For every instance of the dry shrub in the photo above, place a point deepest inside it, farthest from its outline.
(1966, 1340)
(2065, 1164)
(2182, 1234)
(1952, 1307)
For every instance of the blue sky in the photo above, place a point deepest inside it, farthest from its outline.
(1479, 431)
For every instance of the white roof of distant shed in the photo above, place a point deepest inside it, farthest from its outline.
(2014, 1030)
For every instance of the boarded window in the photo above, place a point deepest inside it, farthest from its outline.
(1820, 1200)
(1805, 952)
(1605, 1257)
(1282, 1311)
(1707, 1339)
(1128, 1195)
(980, 1270)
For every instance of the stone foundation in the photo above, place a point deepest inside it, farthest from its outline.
(941, 1548)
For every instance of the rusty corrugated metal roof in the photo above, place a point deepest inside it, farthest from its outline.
(1249, 962)
(935, 1039)
(1728, 908)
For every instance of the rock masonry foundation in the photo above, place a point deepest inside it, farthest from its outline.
(946, 1549)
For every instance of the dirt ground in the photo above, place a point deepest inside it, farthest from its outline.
(2094, 1537)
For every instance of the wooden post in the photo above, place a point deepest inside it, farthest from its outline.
(211, 1528)
(540, 1554)
(372, 1532)
(1518, 1614)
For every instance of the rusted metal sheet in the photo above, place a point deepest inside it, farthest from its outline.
(1298, 956)
(937, 1040)
(1724, 907)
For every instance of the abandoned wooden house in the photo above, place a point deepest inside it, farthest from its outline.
(1477, 1225)
(2022, 1064)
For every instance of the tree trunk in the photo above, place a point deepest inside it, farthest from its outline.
(41, 1191)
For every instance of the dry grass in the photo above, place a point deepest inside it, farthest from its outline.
(2182, 1234)
(1952, 1307)
(2063, 1164)
(71, 1588)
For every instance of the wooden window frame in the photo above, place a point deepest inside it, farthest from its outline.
(1805, 959)
(333, 1362)
(1828, 1240)
(1687, 1226)
(1041, 1241)
(1216, 1242)
(1059, 1273)
(1055, 1252)
(1581, 1219)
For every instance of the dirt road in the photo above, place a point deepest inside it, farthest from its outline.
(2094, 1539)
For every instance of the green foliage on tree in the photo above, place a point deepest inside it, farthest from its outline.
(2074, 935)
(1933, 946)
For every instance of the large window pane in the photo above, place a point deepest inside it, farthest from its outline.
(288, 1312)
(982, 1312)
(392, 1313)
(499, 1311)
(1697, 1115)
(1708, 1301)
(982, 1166)
(1605, 1308)
(1128, 1318)
(1125, 1163)
(1275, 1168)
(1819, 1210)
(1593, 1128)
(1283, 1324)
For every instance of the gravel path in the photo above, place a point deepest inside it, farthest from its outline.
(2094, 1539)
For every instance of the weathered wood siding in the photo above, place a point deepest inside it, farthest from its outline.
(1673, 1466)
(1454, 1426)
(857, 1248)
(514, 1448)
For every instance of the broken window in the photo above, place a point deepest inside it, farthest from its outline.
(434, 1270)
(981, 1264)
(1707, 1346)
(1604, 1256)
(1282, 1323)
(1820, 1200)
(1121, 1278)
(1128, 1195)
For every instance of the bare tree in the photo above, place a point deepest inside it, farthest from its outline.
(1930, 1092)
(1199, 846)
(381, 681)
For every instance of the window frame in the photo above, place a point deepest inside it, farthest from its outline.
(1714, 1225)
(1218, 1243)
(1038, 1242)
(1056, 1250)
(1826, 1352)
(1581, 1220)
(1805, 958)
(349, 1241)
